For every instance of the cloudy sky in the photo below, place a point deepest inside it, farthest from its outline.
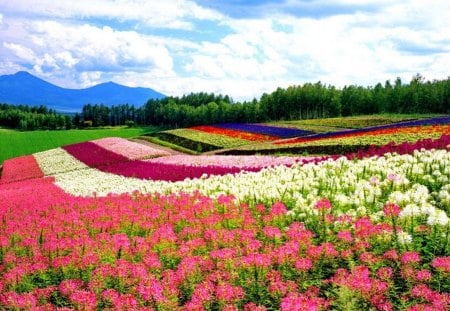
(237, 47)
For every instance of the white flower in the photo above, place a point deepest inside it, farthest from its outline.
(404, 238)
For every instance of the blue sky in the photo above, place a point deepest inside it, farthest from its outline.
(235, 47)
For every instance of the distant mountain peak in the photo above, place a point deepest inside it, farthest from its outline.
(27, 89)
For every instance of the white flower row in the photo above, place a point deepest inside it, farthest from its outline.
(57, 161)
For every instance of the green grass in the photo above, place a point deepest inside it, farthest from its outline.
(15, 143)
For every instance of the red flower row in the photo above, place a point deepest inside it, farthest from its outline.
(233, 133)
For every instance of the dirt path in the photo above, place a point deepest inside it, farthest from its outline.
(156, 146)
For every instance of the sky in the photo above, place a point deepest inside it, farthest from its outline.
(236, 47)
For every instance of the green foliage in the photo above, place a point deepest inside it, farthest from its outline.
(27, 118)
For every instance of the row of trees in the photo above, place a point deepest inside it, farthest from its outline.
(306, 101)
(32, 118)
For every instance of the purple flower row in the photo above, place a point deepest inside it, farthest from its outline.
(282, 132)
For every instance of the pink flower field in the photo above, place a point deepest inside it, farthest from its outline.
(367, 232)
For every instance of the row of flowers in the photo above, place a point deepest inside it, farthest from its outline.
(438, 125)
(192, 252)
(276, 131)
(20, 168)
(130, 150)
(248, 136)
(172, 168)
(209, 138)
(243, 162)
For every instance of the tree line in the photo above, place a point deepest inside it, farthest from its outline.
(27, 118)
(307, 101)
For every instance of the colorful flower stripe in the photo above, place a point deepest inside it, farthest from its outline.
(233, 133)
(93, 155)
(209, 138)
(169, 172)
(192, 252)
(281, 132)
(228, 161)
(432, 129)
(129, 149)
(20, 168)
(153, 169)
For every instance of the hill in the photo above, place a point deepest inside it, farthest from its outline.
(24, 88)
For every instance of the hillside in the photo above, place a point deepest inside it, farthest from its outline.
(24, 88)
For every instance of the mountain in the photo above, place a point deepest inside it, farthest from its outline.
(24, 88)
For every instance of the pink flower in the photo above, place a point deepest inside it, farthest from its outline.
(228, 293)
(391, 254)
(303, 264)
(442, 264)
(272, 232)
(345, 236)
(423, 275)
(410, 257)
(391, 209)
(84, 299)
(278, 209)
(323, 205)
(251, 306)
(385, 273)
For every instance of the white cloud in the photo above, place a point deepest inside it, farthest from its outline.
(165, 14)
(89, 48)
(24, 53)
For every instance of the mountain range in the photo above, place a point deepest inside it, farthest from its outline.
(24, 88)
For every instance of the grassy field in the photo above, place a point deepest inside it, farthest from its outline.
(15, 143)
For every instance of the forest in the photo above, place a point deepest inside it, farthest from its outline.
(25, 118)
(307, 101)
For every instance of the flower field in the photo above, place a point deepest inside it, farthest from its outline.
(111, 225)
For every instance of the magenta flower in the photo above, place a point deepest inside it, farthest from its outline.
(303, 264)
(391, 209)
(410, 257)
(323, 205)
(385, 273)
(423, 275)
(442, 264)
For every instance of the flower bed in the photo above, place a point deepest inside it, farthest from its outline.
(172, 168)
(228, 161)
(129, 149)
(93, 155)
(436, 126)
(188, 140)
(20, 168)
(275, 131)
(234, 133)
(208, 138)
(192, 252)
